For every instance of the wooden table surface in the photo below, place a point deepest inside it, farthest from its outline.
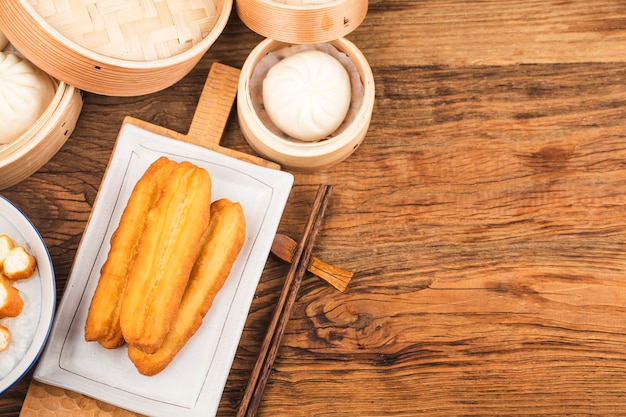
(484, 217)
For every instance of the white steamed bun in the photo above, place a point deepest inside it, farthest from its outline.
(25, 93)
(307, 95)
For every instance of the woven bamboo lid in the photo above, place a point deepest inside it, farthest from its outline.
(302, 21)
(114, 47)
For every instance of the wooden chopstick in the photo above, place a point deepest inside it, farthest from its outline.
(269, 348)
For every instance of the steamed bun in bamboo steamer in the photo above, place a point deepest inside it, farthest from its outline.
(25, 93)
(270, 141)
(271, 116)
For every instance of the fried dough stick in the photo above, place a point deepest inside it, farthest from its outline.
(167, 251)
(224, 239)
(102, 323)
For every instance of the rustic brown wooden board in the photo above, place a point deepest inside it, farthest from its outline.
(484, 217)
(206, 129)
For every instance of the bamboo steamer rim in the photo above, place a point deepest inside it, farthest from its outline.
(302, 24)
(299, 155)
(223, 15)
(92, 71)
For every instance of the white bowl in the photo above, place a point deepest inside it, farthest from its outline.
(29, 330)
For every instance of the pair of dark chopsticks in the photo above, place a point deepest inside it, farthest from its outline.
(269, 348)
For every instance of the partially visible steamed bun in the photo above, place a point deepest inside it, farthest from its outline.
(25, 93)
(307, 95)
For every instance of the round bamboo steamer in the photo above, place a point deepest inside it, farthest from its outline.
(298, 155)
(313, 23)
(23, 157)
(80, 66)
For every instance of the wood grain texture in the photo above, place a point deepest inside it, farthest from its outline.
(483, 216)
(456, 32)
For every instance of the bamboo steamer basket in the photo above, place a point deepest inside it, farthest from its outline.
(287, 25)
(23, 157)
(282, 21)
(299, 155)
(159, 62)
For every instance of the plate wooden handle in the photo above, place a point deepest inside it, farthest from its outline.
(216, 100)
(211, 115)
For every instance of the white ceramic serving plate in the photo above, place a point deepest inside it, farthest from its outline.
(192, 384)
(31, 328)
